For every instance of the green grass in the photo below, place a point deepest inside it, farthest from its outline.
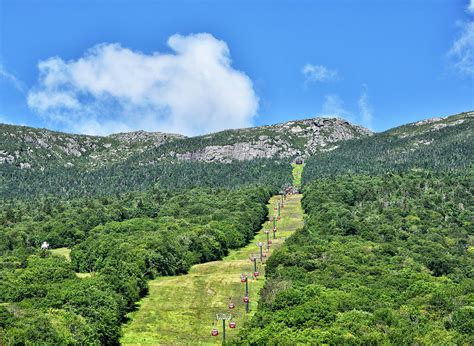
(62, 251)
(66, 252)
(182, 309)
(297, 171)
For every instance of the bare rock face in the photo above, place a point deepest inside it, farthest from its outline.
(287, 140)
(25, 165)
(155, 138)
(239, 151)
(322, 132)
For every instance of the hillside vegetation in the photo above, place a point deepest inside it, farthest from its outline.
(385, 255)
(67, 183)
(42, 298)
(38, 149)
(36, 163)
(439, 144)
(381, 260)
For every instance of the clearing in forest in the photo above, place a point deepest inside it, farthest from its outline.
(182, 309)
(297, 171)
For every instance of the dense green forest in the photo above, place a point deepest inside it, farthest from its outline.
(121, 242)
(381, 260)
(443, 145)
(131, 176)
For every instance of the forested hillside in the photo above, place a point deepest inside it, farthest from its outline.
(439, 144)
(117, 246)
(130, 176)
(35, 162)
(381, 260)
(39, 149)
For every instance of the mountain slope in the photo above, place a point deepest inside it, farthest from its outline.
(285, 140)
(26, 147)
(438, 144)
(40, 162)
(382, 260)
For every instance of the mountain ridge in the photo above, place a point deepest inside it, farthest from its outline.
(93, 166)
(27, 147)
(437, 144)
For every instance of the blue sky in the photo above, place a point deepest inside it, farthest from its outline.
(198, 66)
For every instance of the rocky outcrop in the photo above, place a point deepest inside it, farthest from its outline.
(287, 140)
(154, 138)
(433, 125)
(28, 148)
(239, 151)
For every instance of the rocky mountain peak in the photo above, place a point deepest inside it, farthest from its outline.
(144, 136)
(284, 140)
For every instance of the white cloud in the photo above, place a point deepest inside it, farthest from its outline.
(318, 73)
(470, 7)
(365, 109)
(333, 106)
(192, 90)
(462, 51)
(5, 75)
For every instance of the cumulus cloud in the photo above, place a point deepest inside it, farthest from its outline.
(318, 73)
(5, 75)
(192, 90)
(365, 108)
(470, 7)
(462, 50)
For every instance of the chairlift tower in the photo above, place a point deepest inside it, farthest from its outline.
(274, 227)
(253, 258)
(260, 245)
(244, 277)
(223, 318)
(267, 232)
